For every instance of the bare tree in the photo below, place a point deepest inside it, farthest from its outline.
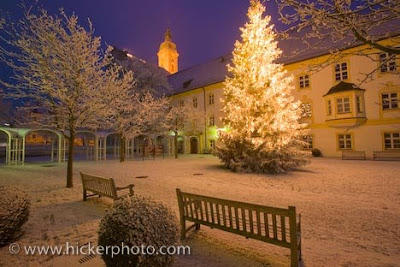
(58, 63)
(333, 25)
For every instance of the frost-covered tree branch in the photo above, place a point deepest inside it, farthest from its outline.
(337, 24)
(58, 65)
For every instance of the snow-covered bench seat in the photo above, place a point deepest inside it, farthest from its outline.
(100, 186)
(386, 155)
(276, 226)
(351, 154)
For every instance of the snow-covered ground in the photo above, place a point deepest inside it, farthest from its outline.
(350, 209)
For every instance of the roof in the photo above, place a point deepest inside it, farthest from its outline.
(293, 49)
(215, 71)
(343, 87)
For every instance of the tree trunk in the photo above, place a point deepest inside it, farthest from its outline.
(71, 151)
(176, 144)
(122, 141)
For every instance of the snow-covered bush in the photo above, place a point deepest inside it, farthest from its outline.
(316, 152)
(14, 212)
(134, 222)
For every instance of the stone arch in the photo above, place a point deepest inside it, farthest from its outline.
(43, 146)
(12, 146)
(142, 145)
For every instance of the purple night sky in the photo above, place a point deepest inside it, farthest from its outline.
(202, 30)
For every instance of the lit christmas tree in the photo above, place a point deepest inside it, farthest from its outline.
(261, 117)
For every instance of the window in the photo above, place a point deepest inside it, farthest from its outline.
(211, 121)
(212, 144)
(329, 107)
(359, 104)
(341, 72)
(345, 141)
(195, 102)
(211, 99)
(387, 62)
(304, 81)
(343, 105)
(306, 111)
(308, 139)
(392, 140)
(390, 101)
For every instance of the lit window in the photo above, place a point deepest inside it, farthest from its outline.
(390, 101)
(345, 141)
(329, 107)
(211, 121)
(308, 139)
(392, 140)
(306, 111)
(212, 144)
(304, 81)
(343, 105)
(195, 102)
(359, 104)
(211, 99)
(387, 62)
(341, 71)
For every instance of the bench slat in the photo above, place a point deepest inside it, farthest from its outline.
(283, 228)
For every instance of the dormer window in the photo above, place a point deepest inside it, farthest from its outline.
(345, 101)
(343, 105)
(329, 103)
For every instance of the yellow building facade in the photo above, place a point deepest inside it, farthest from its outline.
(342, 112)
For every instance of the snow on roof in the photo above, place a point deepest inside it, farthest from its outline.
(293, 49)
(215, 71)
(343, 87)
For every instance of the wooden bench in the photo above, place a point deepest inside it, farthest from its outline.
(100, 186)
(350, 154)
(386, 155)
(272, 225)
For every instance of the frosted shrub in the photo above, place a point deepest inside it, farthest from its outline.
(14, 212)
(316, 152)
(138, 221)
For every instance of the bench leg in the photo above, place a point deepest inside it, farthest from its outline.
(197, 227)
(84, 195)
(294, 257)
(183, 229)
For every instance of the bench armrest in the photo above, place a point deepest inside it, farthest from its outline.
(125, 187)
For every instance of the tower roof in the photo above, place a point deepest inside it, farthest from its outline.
(168, 35)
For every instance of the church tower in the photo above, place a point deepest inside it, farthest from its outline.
(167, 54)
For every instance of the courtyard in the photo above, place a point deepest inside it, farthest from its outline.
(350, 209)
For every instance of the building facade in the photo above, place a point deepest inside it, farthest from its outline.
(344, 108)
